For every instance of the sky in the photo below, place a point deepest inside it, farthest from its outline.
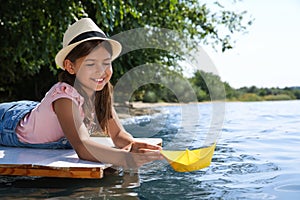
(269, 54)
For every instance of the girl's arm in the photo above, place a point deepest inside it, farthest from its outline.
(122, 139)
(75, 131)
(118, 134)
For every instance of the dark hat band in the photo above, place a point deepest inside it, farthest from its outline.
(86, 35)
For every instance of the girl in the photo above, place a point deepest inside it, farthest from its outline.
(78, 106)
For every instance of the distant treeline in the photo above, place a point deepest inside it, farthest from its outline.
(202, 84)
(265, 94)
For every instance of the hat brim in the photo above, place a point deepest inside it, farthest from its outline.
(62, 54)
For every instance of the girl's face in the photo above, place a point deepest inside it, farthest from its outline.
(94, 70)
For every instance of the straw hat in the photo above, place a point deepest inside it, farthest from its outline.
(83, 30)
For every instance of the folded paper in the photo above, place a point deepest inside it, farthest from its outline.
(189, 160)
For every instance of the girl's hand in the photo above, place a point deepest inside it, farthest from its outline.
(141, 147)
(141, 153)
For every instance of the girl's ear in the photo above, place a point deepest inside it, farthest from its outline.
(69, 66)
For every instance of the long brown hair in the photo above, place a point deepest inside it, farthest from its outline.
(103, 98)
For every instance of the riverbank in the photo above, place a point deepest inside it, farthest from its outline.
(139, 108)
(132, 109)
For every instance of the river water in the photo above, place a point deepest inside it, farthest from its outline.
(257, 157)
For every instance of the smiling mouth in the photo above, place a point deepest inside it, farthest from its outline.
(98, 80)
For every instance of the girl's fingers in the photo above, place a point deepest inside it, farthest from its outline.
(143, 145)
(136, 160)
(149, 155)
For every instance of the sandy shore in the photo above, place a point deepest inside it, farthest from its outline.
(139, 108)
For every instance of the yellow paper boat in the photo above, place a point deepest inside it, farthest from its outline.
(189, 160)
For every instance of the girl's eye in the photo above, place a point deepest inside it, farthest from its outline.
(106, 64)
(90, 64)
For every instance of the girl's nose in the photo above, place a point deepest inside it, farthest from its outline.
(101, 68)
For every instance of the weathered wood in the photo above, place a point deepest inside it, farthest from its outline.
(54, 163)
(70, 172)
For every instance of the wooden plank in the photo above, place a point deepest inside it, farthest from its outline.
(71, 172)
(54, 163)
(48, 163)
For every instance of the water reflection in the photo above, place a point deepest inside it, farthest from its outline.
(115, 185)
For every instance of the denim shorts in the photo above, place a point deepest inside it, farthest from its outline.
(10, 115)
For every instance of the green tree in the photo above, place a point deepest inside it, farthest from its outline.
(231, 93)
(31, 32)
(30, 36)
(250, 97)
(297, 94)
(209, 84)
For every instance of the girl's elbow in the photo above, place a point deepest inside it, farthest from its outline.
(83, 153)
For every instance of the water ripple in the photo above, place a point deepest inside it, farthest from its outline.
(256, 157)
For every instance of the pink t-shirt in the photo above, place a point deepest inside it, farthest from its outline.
(41, 124)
